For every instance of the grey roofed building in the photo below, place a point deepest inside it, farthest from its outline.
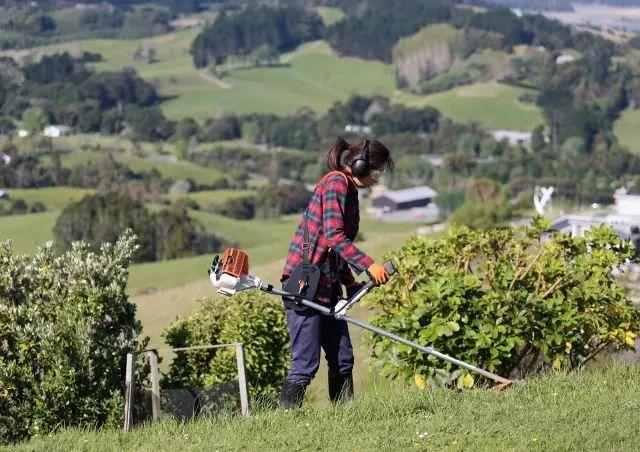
(392, 200)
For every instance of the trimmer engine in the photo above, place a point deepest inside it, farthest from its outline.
(231, 272)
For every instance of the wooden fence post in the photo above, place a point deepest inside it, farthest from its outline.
(155, 384)
(242, 380)
(130, 387)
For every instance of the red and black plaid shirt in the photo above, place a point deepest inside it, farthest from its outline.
(333, 218)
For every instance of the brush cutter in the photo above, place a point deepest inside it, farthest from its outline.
(231, 274)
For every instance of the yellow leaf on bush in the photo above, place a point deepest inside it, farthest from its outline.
(419, 381)
(556, 363)
(629, 337)
(467, 381)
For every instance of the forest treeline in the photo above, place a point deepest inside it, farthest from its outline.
(61, 89)
(371, 29)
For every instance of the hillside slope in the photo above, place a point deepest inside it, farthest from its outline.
(580, 411)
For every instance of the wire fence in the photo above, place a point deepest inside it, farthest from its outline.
(152, 403)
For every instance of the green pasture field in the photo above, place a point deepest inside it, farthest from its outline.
(210, 198)
(491, 104)
(111, 143)
(579, 411)
(330, 15)
(28, 231)
(627, 129)
(314, 80)
(54, 198)
(314, 77)
(311, 76)
(177, 171)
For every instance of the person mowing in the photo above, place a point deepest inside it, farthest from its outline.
(319, 262)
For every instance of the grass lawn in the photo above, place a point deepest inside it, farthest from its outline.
(312, 78)
(581, 411)
(491, 104)
(28, 231)
(54, 198)
(627, 129)
(176, 171)
(208, 198)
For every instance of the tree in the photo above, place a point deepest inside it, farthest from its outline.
(281, 29)
(98, 219)
(537, 139)
(34, 119)
(6, 125)
(243, 208)
(167, 234)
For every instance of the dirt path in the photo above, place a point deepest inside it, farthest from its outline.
(216, 81)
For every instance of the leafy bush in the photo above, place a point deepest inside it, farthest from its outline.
(511, 301)
(65, 329)
(255, 320)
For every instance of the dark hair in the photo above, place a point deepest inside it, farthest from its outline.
(378, 154)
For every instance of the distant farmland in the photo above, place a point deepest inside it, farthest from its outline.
(311, 76)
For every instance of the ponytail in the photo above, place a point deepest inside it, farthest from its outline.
(335, 154)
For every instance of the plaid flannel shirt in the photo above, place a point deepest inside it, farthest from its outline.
(333, 219)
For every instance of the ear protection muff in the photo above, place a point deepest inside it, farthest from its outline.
(360, 166)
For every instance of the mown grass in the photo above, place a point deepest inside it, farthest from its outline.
(491, 104)
(54, 198)
(28, 231)
(581, 411)
(627, 129)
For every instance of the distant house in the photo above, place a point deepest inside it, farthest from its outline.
(512, 136)
(433, 159)
(4, 158)
(564, 58)
(625, 219)
(4, 195)
(357, 128)
(394, 200)
(56, 131)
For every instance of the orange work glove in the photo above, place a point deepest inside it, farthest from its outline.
(378, 273)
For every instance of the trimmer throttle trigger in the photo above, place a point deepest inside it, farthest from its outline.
(389, 267)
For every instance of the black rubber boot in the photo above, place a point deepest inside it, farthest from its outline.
(340, 387)
(292, 394)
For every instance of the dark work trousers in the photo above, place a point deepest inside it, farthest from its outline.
(308, 332)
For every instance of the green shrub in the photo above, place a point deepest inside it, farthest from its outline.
(511, 301)
(255, 319)
(65, 329)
